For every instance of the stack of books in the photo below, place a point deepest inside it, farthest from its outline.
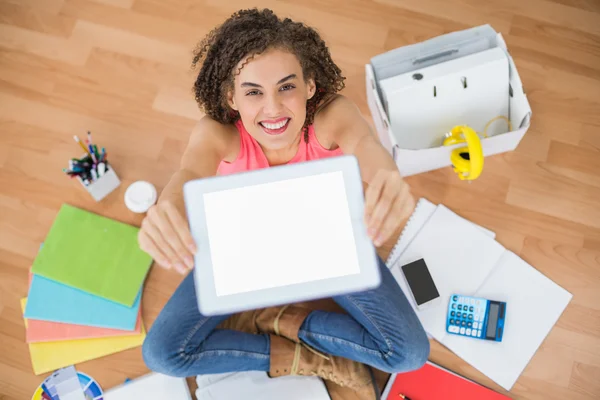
(85, 291)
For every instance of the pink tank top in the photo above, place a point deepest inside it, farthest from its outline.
(251, 155)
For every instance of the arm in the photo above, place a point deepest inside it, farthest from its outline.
(388, 202)
(165, 232)
(209, 143)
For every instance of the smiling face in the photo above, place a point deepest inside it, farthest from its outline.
(270, 93)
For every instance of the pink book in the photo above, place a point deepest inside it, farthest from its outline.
(46, 331)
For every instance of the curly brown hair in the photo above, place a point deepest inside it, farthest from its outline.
(248, 33)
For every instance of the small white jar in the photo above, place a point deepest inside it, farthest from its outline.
(140, 196)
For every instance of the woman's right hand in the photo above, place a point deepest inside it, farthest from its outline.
(165, 235)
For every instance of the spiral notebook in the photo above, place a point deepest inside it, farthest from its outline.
(423, 211)
(462, 258)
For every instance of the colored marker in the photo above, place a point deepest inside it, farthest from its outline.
(91, 151)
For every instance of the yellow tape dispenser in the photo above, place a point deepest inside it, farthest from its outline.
(468, 161)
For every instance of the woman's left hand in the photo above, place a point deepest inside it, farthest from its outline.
(388, 203)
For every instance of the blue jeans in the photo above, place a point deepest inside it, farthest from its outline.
(380, 329)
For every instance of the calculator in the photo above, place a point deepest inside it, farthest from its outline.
(475, 317)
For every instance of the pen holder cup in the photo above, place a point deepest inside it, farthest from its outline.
(104, 185)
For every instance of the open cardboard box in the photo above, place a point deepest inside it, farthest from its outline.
(412, 162)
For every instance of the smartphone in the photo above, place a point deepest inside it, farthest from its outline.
(421, 284)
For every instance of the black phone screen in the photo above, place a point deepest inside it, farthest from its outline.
(420, 281)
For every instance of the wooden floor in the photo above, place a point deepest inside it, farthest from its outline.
(120, 68)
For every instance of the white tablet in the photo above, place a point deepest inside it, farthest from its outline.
(280, 235)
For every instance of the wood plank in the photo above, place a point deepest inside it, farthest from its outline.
(589, 5)
(51, 6)
(590, 136)
(574, 157)
(36, 19)
(585, 380)
(122, 41)
(557, 197)
(52, 47)
(156, 27)
(177, 101)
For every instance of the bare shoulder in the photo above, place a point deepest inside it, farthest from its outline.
(211, 141)
(336, 110)
(332, 114)
(340, 121)
(209, 134)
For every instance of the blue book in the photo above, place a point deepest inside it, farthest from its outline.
(52, 301)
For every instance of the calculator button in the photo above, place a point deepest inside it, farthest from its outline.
(474, 333)
(478, 333)
(470, 316)
(454, 329)
(460, 306)
(469, 324)
(463, 323)
(455, 298)
(476, 317)
(462, 331)
(453, 306)
(452, 313)
(468, 331)
(471, 308)
(475, 325)
(451, 321)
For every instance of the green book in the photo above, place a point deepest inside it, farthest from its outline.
(95, 254)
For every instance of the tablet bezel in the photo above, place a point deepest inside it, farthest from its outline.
(210, 304)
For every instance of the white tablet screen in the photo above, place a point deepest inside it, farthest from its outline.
(283, 233)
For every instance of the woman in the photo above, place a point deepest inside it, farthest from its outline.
(269, 90)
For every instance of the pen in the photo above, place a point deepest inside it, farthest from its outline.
(81, 144)
(92, 154)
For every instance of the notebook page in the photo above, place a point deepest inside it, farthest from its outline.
(423, 211)
(533, 305)
(459, 256)
(257, 385)
(153, 386)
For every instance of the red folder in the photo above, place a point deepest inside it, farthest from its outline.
(433, 382)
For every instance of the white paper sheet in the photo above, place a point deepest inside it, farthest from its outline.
(463, 258)
(459, 256)
(257, 385)
(152, 386)
(533, 305)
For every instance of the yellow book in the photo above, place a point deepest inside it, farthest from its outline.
(48, 356)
